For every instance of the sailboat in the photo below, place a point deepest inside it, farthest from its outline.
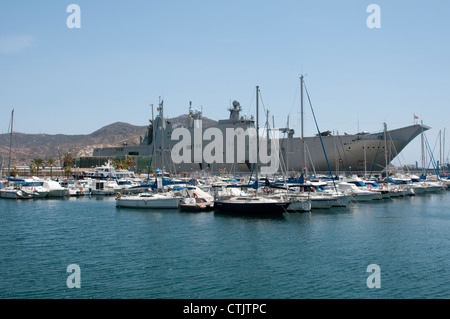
(254, 204)
(12, 191)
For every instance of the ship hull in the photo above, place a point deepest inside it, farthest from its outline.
(349, 153)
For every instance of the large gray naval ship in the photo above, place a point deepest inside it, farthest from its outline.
(321, 153)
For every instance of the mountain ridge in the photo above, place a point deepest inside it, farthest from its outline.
(26, 147)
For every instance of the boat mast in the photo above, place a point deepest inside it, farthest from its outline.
(257, 134)
(153, 142)
(10, 143)
(443, 153)
(422, 148)
(386, 152)
(304, 169)
(440, 151)
(365, 159)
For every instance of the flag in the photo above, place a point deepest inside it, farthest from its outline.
(416, 117)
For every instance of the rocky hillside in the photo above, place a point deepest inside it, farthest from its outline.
(25, 147)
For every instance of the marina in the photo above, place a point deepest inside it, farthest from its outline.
(173, 253)
(151, 233)
(216, 158)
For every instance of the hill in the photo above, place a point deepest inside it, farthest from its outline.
(25, 147)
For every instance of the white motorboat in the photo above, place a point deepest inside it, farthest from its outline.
(105, 187)
(38, 191)
(359, 194)
(148, 200)
(74, 188)
(330, 192)
(428, 186)
(108, 171)
(194, 199)
(32, 186)
(363, 188)
(14, 193)
(54, 188)
(378, 187)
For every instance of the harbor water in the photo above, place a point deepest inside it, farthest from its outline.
(168, 254)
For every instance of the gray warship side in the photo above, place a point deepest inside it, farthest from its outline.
(346, 153)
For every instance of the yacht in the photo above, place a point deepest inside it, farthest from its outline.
(193, 198)
(54, 188)
(358, 193)
(428, 186)
(105, 187)
(149, 200)
(14, 193)
(74, 188)
(377, 187)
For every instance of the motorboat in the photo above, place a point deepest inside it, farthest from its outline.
(105, 187)
(149, 200)
(428, 186)
(54, 188)
(256, 204)
(31, 186)
(194, 199)
(359, 194)
(14, 193)
(378, 187)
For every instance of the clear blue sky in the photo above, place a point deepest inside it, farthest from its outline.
(128, 53)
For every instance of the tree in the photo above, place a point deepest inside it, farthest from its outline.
(68, 160)
(51, 162)
(14, 172)
(117, 164)
(129, 163)
(68, 170)
(38, 163)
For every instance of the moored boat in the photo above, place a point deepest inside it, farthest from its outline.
(148, 200)
(252, 205)
(193, 198)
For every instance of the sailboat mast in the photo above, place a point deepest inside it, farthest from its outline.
(304, 169)
(10, 143)
(386, 152)
(423, 151)
(257, 133)
(440, 151)
(443, 153)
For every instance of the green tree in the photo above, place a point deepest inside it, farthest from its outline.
(67, 170)
(38, 163)
(68, 160)
(117, 164)
(129, 163)
(14, 172)
(51, 162)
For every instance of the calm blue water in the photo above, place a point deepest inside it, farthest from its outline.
(126, 253)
